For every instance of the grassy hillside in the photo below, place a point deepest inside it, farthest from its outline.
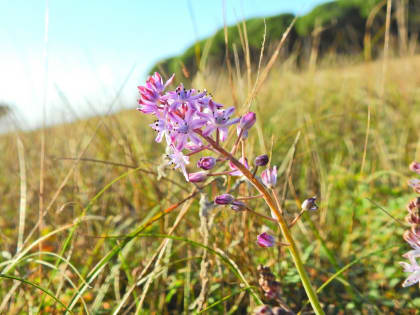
(335, 27)
(91, 205)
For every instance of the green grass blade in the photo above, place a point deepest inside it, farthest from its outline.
(346, 267)
(225, 299)
(2, 275)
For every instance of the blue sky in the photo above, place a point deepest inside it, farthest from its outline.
(93, 45)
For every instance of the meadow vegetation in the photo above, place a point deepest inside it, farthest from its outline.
(97, 224)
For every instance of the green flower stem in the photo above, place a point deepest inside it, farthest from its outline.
(312, 296)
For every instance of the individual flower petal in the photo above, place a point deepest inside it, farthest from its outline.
(269, 177)
(265, 240)
(179, 160)
(412, 279)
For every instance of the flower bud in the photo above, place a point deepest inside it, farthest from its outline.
(411, 238)
(263, 310)
(413, 219)
(265, 240)
(206, 163)
(246, 122)
(261, 160)
(197, 177)
(415, 184)
(269, 177)
(309, 204)
(415, 167)
(414, 206)
(238, 205)
(415, 229)
(224, 199)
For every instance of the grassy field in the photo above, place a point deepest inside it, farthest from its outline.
(100, 245)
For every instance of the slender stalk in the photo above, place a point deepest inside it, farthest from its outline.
(276, 198)
(312, 296)
(296, 219)
(198, 150)
(249, 197)
(260, 215)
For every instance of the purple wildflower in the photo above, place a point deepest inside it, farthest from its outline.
(163, 127)
(411, 267)
(182, 96)
(151, 93)
(218, 120)
(265, 240)
(179, 160)
(206, 163)
(269, 177)
(185, 127)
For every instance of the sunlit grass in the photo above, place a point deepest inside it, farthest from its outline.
(102, 199)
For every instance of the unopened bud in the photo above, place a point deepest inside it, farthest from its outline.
(224, 199)
(197, 177)
(261, 160)
(411, 238)
(309, 204)
(415, 167)
(246, 122)
(206, 163)
(269, 177)
(413, 219)
(265, 240)
(238, 205)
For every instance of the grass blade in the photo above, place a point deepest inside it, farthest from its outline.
(2, 275)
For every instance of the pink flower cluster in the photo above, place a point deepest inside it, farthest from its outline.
(191, 122)
(412, 236)
(182, 115)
